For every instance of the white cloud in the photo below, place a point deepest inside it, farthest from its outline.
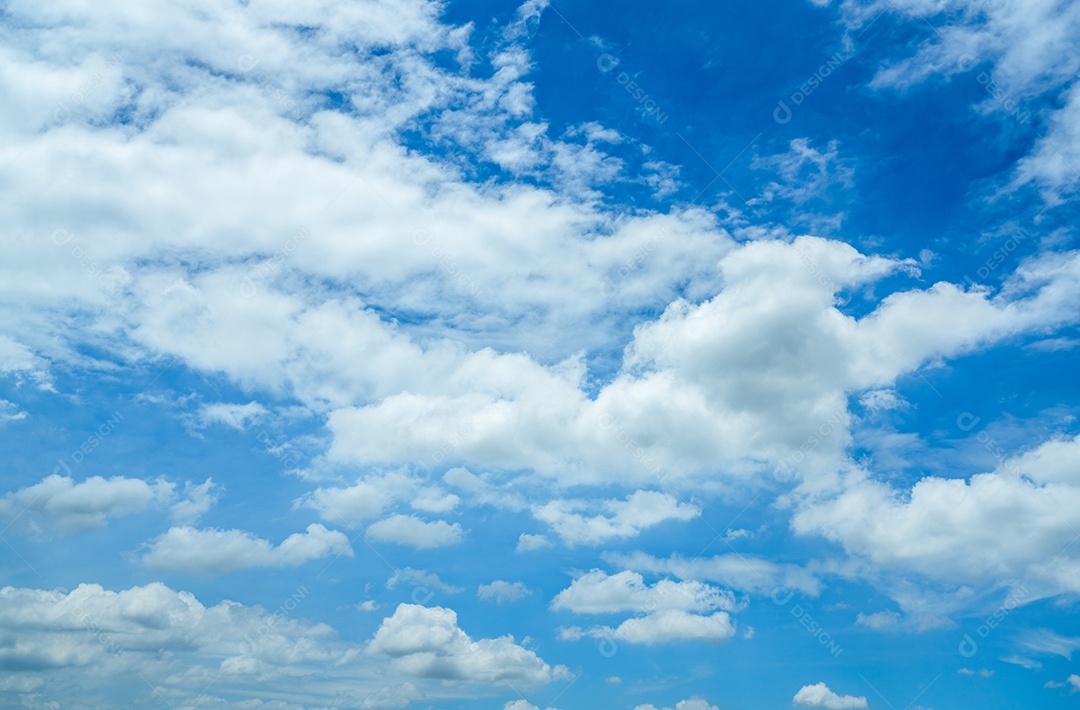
(235, 416)
(10, 412)
(527, 542)
(481, 491)
(18, 361)
(1037, 492)
(697, 703)
(412, 531)
(367, 498)
(435, 502)
(596, 592)
(288, 210)
(123, 631)
(982, 672)
(878, 620)
(1072, 682)
(522, 705)
(671, 626)
(501, 592)
(59, 504)
(419, 577)
(1044, 642)
(263, 308)
(806, 172)
(882, 400)
(195, 501)
(1027, 46)
(1023, 661)
(427, 643)
(619, 519)
(1054, 163)
(233, 653)
(688, 399)
(819, 696)
(212, 551)
(742, 572)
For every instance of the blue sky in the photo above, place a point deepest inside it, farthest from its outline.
(393, 353)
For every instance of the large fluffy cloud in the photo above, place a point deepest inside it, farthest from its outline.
(1015, 523)
(754, 373)
(427, 642)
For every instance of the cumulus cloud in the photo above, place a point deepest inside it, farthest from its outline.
(365, 499)
(272, 140)
(742, 572)
(120, 631)
(392, 393)
(691, 396)
(528, 542)
(213, 551)
(662, 627)
(422, 578)
(619, 519)
(1038, 492)
(427, 643)
(819, 696)
(414, 532)
(522, 704)
(597, 592)
(668, 610)
(674, 625)
(234, 416)
(501, 592)
(61, 505)
(696, 703)
(253, 230)
(266, 309)
(153, 634)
